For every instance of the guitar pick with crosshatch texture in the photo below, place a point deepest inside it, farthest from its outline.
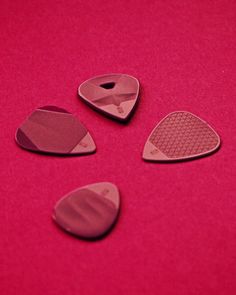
(180, 136)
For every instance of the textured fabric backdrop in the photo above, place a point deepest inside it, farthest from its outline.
(177, 230)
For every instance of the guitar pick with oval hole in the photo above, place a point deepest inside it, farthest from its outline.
(114, 94)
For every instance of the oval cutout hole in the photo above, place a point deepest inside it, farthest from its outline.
(108, 85)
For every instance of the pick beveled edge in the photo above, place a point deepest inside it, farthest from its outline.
(114, 198)
(158, 156)
(95, 107)
(79, 149)
(85, 146)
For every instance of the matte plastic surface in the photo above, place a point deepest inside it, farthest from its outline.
(176, 234)
(53, 130)
(89, 212)
(113, 94)
(180, 136)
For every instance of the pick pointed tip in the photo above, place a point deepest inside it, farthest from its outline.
(151, 153)
(112, 193)
(122, 116)
(126, 114)
(86, 145)
(108, 190)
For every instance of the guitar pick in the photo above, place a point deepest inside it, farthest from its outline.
(88, 212)
(114, 95)
(180, 136)
(50, 129)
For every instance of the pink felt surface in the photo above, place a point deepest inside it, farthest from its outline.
(177, 230)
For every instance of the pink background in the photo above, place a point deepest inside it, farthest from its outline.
(177, 231)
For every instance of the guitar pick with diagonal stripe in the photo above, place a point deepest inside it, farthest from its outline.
(53, 130)
(90, 211)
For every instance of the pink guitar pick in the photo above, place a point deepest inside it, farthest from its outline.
(180, 136)
(90, 211)
(114, 94)
(51, 129)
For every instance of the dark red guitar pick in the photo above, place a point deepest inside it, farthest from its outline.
(88, 212)
(180, 136)
(114, 94)
(51, 129)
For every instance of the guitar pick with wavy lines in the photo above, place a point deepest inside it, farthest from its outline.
(88, 212)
